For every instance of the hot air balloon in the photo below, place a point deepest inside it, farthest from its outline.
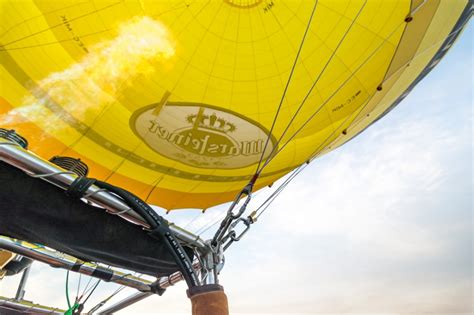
(185, 104)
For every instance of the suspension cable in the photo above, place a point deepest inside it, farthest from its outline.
(317, 152)
(272, 156)
(287, 84)
(264, 206)
(225, 230)
(305, 98)
(328, 99)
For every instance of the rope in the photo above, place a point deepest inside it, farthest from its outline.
(315, 82)
(105, 300)
(67, 290)
(287, 85)
(71, 309)
(272, 156)
(92, 291)
(280, 188)
(328, 99)
(78, 286)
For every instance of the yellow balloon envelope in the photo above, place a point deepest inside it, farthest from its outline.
(181, 102)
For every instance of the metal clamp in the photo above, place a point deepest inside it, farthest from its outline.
(222, 233)
(247, 191)
(212, 263)
(232, 236)
(247, 223)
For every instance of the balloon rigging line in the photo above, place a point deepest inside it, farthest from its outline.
(287, 85)
(92, 291)
(316, 153)
(398, 70)
(303, 102)
(102, 303)
(192, 220)
(86, 287)
(157, 182)
(328, 99)
(275, 194)
(402, 68)
(300, 168)
(108, 298)
(78, 286)
(86, 291)
(272, 196)
(271, 157)
(220, 217)
(210, 225)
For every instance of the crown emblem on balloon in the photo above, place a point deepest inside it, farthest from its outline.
(211, 122)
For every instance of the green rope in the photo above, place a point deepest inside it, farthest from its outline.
(67, 290)
(71, 309)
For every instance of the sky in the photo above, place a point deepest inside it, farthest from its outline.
(382, 225)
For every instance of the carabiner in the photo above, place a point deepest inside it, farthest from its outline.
(233, 235)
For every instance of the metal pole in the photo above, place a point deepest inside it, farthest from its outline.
(163, 283)
(63, 261)
(9, 306)
(20, 293)
(126, 302)
(59, 260)
(15, 155)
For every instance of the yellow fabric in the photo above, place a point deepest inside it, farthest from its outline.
(175, 100)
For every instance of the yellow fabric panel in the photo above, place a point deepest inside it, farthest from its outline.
(433, 42)
(175, 100)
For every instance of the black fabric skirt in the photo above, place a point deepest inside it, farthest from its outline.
(38, 212)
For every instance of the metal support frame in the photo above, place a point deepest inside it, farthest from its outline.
(210, 259)
(20, 292)
(26, 307)
(33, 165)
(126, 302)
(212, 263)
(64, 261)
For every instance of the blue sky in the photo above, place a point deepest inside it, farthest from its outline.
(382, 225)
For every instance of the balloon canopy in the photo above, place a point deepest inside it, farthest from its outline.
(181, 101)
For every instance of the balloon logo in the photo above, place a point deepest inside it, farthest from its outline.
(201, 135)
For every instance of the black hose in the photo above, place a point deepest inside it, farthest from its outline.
(159, 229)
(142, 208)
